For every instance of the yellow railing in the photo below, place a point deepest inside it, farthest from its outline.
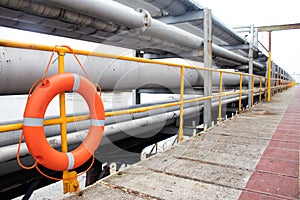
(62, 50)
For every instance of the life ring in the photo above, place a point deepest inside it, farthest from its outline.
(33, 128)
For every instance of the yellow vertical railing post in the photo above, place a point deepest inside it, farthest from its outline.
(269, 68)
(253, 89)
(70, 182)
(62, 106)
(180, 133)
(260, 88)
(220, 97)
(241, 92)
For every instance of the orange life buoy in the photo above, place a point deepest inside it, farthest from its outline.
(33, 128)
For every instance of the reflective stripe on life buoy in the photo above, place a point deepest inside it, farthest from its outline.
(33, 128)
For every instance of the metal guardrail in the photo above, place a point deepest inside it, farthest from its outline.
(70, 181)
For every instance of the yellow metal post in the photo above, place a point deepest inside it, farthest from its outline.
(62, 106)
(220, 98)
(70, 181)
(241, 92)
(180, 134)
(269, 68)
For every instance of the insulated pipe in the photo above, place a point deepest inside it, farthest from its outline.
(163, 36)
(172, 33)
(103, 9)
(51, 12)
(217, 50)
(181, 37)
(126, 16)
(20, 68)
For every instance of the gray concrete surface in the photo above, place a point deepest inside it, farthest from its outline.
(215, 164)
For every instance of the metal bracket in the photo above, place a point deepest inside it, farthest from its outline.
(70, 182)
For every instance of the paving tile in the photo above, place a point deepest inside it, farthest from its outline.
(288, 126)
(284, 145)
(249, 195)
(281, 154)
(279, 166)
(274, 184)
(289, 132)
(286, 137)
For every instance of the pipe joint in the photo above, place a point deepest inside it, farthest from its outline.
(146, 18)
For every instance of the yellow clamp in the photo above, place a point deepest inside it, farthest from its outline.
(70, 182)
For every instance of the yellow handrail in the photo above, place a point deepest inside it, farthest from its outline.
(18, 126)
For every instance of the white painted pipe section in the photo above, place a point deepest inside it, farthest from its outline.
(231, 55)
(20, 68)
(172, 33)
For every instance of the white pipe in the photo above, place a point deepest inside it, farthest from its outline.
(126, 16)
(20, 68)
(172, 33)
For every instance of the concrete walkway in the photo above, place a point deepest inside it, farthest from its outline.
(252, 156)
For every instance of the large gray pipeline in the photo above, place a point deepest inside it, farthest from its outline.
(20, 68)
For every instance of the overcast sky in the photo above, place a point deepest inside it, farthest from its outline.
(285, 44)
